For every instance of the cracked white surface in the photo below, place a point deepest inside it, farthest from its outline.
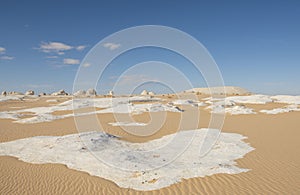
(69, 150)
(290, 108)
(109, 105)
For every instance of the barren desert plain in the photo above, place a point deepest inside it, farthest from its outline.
(268, 160)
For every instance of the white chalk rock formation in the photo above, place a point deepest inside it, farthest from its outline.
(144, 92)
(30, 92)
(151, 93)
(111, 93)
(4, 93)
(60, 92)
(91, 92)
(15, 93)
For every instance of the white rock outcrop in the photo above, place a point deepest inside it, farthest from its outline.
(83, 93)
(111, 93)
(30, 92)
(4, 93)
(151, 93)
(91, 92)
(15, 93)
(144, 92)
(60, 92)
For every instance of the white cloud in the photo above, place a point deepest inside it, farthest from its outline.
(80, 47)
(86, 65)
(6, 58)
(2, 50)
(111, 46)
(51, 57)
(56, 47)
(70, 61)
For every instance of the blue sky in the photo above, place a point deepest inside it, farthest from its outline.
(256, 44)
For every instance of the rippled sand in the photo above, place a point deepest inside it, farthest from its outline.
(274, 163)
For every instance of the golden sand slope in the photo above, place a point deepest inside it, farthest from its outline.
(274, 164)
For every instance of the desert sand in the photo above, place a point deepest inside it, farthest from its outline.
(274, 164)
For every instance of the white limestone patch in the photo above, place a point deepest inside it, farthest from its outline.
(251, 99)
(109, 105)
(230, 104)
(233, 110)
(8, 115)
(287, 99)
(140, 108)
(227, 106)
(188, 102)
(290, 108)
(71, 151)
(8, 97)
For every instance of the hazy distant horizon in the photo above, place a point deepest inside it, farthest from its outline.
(138, 91)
